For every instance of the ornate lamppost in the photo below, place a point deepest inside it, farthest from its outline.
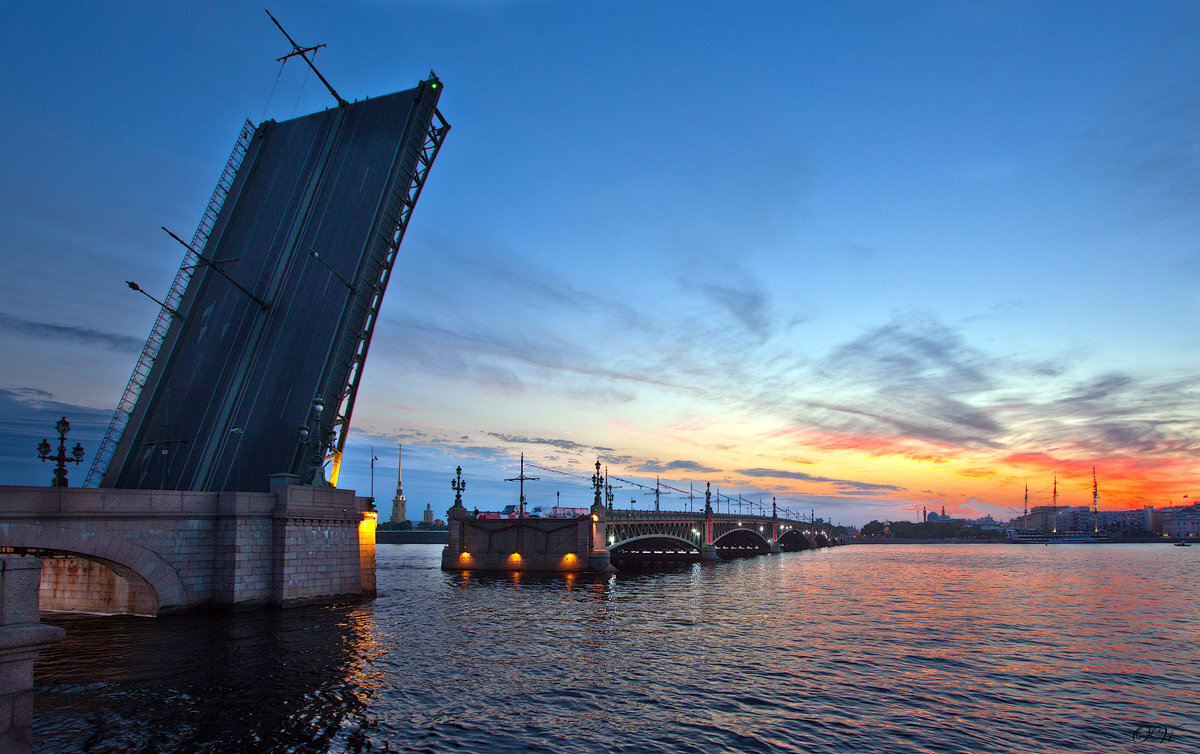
(316, 441)
(598, 487)
(458, 485)
(61, 460)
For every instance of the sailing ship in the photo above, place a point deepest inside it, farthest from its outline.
(1068, 537)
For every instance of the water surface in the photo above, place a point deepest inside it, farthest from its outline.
(940, 648)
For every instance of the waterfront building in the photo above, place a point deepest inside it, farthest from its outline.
(1081, 518)
(1181, 521)
(1075, 518)
(427, 517)
(1145, 519)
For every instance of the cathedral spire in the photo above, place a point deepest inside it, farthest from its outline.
(398, 502)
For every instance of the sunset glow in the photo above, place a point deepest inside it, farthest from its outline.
(934, 254)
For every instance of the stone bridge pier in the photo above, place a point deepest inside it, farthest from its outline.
(22, 637)
(151, 552)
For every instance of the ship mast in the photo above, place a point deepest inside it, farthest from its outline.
(1054, 505)
(1095, 503)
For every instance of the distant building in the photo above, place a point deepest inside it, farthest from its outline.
(428, 515)
(934, 518)
(1055, 518)
(1135, 520)
(399, 505)
(1181, 521)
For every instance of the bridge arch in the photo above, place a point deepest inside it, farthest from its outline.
(646, 538)
(653, 548)
(794, 539)
(741, 541)
(155, 585)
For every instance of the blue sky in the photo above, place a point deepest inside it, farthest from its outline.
(863, 256)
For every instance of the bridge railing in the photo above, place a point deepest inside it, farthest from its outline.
(643, 515)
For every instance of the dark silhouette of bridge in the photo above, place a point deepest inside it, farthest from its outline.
(604, 537)
(666, 536)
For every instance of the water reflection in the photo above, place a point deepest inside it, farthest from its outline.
(293, 678)
(979, 648)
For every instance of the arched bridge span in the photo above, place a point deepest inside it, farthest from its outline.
(152, 552)
(634, 537)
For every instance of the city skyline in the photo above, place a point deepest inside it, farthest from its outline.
(862, 257)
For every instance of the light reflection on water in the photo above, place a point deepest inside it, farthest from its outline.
(879, 649)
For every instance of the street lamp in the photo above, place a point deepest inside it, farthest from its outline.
(61, 460)
(458, 484)
(135, 287)
(316, 442)
(374, 458)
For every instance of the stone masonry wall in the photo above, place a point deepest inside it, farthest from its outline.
(21, 638)
(317, 554)
(532, 544)
(196, 549)
(82, 585)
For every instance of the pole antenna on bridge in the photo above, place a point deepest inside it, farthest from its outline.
(212, 265)
(303, 52)
(522, 479)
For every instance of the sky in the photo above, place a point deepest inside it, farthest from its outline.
(862, 257)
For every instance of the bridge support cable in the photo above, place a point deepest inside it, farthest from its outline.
(141, 371)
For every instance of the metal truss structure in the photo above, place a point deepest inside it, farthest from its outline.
(666, 532)
(398, 210)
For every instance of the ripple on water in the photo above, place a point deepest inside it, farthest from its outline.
(939, 648)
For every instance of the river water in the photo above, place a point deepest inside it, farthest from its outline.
(939, 648)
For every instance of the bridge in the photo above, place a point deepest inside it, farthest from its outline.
(605, 538)
(209, 487)
(153, 552)
(646, 537)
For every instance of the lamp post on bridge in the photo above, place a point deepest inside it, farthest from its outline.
(61, 460)
(315, 442)
(774, 522)
(598, 487)
(707, 551)
(458, 485)
(374, 458)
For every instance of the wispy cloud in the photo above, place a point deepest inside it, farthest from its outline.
(28, 328)
(849, 485)
(553, 442)
(677, 465)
